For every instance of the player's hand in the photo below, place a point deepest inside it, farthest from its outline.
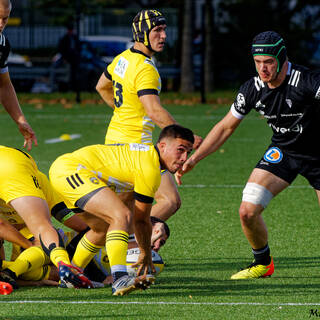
(144, 264)
(158, 231)
(187, 166)
(197, 141)
(29, 135)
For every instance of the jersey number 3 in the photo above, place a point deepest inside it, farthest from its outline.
(118, 97)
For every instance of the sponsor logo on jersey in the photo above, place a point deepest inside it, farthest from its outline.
(273, 155)
(297, 128)
(139, 147)
(121, 67)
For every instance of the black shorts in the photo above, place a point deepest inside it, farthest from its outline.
(287, 167)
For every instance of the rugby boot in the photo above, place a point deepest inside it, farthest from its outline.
(8, 276)
(255, 271)
(72, 277)
(127, 284)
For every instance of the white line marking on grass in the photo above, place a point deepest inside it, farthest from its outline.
(231, 186)
(165, 303)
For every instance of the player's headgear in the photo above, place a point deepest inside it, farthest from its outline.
(142, 24)
(270, 43)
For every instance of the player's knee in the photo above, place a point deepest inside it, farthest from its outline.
(246, 213)
(123, 216)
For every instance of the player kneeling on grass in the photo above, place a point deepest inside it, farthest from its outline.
(87, 179)
(27, 191)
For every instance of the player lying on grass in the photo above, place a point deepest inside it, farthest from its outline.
(98, 269)
(87, 179)
(26, 194)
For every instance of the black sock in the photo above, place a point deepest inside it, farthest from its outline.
(262, 255)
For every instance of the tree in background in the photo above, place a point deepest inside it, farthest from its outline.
(187, 74)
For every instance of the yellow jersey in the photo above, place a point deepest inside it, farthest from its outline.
(20, 177)
(121, 167)
(133, 74)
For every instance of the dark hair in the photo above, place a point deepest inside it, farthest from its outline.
(154, 220)
(176, 131)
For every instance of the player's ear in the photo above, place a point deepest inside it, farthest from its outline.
(162, 145)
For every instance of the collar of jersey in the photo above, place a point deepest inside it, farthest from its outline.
(132, 49)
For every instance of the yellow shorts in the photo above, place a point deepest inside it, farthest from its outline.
(19, 175)
(72, 180)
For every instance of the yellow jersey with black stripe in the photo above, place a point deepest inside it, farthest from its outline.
(133, 75)
(121, 167)
(20, 177)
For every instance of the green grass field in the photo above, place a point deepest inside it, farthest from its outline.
(206, 245)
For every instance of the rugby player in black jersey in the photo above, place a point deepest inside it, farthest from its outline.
(8, 97)
(287, 95)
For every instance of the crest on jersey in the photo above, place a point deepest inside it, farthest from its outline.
(273, 155)
(94, 180)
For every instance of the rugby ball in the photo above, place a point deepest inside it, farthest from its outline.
(133, 255)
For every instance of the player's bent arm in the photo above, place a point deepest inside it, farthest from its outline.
(9, 100)
(160, 116)
(105, 89)
(11, 234)
(143, 231)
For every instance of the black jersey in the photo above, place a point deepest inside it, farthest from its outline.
(4, 51)
(292, 110)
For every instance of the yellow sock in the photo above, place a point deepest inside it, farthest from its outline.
(59, 254)
(37, 274)
(29, 259)
(6, 264)
(84, 253)
(117, 245)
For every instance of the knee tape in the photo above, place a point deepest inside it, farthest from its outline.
(256, 194)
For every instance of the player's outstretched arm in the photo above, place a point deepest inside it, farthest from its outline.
(105, 89)
(212, 142)
(9, 100)
(143, 231)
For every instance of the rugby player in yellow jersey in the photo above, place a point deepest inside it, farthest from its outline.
(131, 85)
(26, 195)
(89, 178)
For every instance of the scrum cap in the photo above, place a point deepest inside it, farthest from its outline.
(142, 24)
(270, 43)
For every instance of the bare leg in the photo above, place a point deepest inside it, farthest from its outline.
(252, 222)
